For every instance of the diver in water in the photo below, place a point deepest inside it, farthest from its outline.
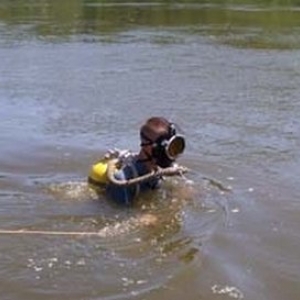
(136, 173)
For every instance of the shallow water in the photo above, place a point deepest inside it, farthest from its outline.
(79, 78)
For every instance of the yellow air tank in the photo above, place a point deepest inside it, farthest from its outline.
(97, 175)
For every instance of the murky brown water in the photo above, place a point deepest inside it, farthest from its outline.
(80, 77)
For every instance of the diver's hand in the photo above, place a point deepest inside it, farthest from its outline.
(179, 170)
(175, 169)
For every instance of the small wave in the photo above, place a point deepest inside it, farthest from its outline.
(136, 249)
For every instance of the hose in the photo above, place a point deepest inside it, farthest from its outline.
(170, 171)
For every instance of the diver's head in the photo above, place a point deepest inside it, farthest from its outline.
(160, 141)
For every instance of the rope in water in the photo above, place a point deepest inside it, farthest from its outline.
(170, 171)
(111, 168)
(42, 232)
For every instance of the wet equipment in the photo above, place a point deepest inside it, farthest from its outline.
(102, 173)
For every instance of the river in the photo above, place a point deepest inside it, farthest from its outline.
(80, 77)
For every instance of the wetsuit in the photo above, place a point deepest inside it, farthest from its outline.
(126, 194)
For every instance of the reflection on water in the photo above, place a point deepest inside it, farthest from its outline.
(269, 24)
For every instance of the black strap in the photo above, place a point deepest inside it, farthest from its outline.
(149, 141)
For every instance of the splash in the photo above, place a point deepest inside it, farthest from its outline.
(231, 291)
(72, 190)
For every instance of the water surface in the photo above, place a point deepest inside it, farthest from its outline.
(80, 77)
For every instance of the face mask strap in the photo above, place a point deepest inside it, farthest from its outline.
(149, 141)
(172, 130)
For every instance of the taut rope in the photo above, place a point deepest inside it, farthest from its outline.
(42, 232)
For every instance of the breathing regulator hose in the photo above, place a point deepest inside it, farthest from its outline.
(159, 172)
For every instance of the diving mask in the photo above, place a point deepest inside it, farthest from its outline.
(166, 148)
(170, 148)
